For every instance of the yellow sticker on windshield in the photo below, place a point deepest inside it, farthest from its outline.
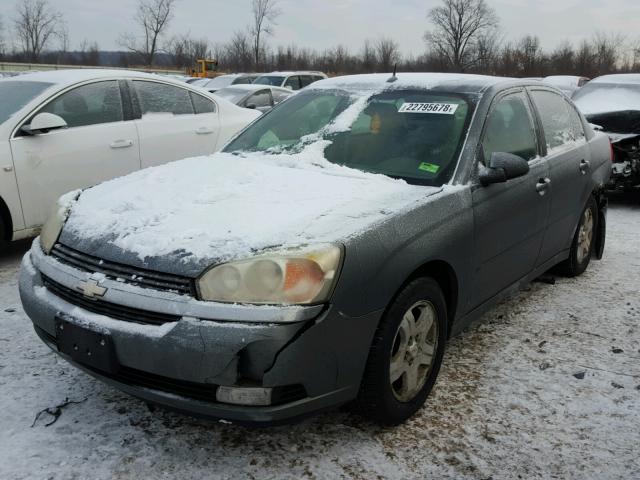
(441, 108)
(429, 167)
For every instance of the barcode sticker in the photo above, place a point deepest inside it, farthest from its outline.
(441, 108)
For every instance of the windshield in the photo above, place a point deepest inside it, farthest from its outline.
(234, 95)
(221, 82)
(272, 80)
(16, 94)
(415, 135)
(596, 98)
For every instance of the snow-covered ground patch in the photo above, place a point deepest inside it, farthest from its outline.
(547, 386)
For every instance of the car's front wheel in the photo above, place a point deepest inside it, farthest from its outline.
(583, 241)
(406, 354)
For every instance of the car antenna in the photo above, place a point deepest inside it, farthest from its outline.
(393, 77)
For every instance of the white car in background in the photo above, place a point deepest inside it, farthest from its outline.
(568, 84)
(66, 130)
(255, 97)
(290, 80)
(214, 84)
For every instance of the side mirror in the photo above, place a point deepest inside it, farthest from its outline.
(502, 167)
(252, 106)
(44, 123)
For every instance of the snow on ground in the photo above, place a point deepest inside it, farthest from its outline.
(507, 403)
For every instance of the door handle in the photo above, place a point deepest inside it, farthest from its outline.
(543, 185)
(204, 130)
(585, 166)
(121, 144)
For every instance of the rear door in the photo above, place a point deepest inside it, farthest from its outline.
(568, 156)
(173, 122)
(99, 144)
(511, 217)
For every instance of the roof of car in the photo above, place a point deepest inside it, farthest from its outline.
(295, 72)
(453, 82)
(252, 87)
(618, 78)
(82, 74)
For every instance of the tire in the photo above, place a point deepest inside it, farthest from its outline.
(391, 403)
(583, 243)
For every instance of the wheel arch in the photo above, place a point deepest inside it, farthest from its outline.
(7, 222)
(444, 274)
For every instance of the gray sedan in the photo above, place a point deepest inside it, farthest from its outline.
(328, 253)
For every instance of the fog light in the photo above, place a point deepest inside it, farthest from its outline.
(244, 395)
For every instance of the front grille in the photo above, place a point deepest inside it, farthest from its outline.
(125, 273)
(109, 309)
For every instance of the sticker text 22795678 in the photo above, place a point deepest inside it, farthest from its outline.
(442, 108)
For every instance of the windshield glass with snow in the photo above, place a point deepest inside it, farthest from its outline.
(274, 81)
(16, 94)
(234, 95)
(415, 135)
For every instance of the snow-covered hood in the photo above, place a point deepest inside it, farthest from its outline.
(190, 214)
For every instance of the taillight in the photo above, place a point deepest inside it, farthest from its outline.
(613, 155)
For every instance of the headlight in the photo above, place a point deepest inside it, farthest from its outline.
(302, 277)
(52, 228)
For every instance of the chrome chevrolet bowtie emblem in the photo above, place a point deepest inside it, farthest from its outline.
(91, 289)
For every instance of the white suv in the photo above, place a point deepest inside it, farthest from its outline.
(290, 80)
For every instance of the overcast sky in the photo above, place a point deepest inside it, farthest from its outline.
(325, 23)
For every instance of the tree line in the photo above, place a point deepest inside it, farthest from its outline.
(461, 36)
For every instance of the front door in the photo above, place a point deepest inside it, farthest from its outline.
(98, 145)
(511, 217)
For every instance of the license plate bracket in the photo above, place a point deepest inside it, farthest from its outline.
(87, 347)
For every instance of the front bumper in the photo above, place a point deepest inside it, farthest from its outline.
(316, 348)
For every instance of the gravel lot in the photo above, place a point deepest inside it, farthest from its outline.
(511, 400)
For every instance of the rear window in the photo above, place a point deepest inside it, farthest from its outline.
(16, 94)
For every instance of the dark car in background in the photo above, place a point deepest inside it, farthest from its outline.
(612, 103)
(328, 253)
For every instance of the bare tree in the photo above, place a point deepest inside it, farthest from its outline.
(186, 50)
(2, 45)
(369, 60)
(457, 27)
(388, 53)
(153, 16)
(264, 15)
(36, 23)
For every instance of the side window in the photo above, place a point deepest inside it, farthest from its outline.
(560, 122)
(201, 104)
(509, 128)
(242, 80)
(306, 80)
(279, 96)
(162, 98)
(260, 99)
(293, 83)
(88, 105)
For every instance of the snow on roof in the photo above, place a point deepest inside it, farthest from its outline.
(251, 87)
(563, 80)
(379, 81)
(630, 78)
(229, 206)
(82, 74)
